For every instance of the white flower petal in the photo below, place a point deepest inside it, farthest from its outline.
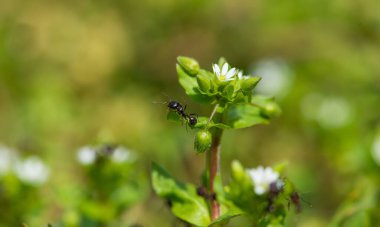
(216, 69)
(231, 73)
(262, 178)
(225, 69)
(240, 75)
(259, 190)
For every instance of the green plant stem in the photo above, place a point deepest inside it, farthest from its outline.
(213, 113)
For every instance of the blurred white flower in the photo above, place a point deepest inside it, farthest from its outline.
(262, 178)
(241, 76)
(276, 77)
(224, 74)
(376, 150)
(7, 159)
(121, 154)
(329, 112)
(86, 155)
(32, 171)
(334, 113)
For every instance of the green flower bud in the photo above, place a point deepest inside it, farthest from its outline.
(190, 65)
(238, 171)
(203, 82)
(271, 109)
(249, 84)
(203, 140)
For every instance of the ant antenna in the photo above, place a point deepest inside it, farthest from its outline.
(156, 102)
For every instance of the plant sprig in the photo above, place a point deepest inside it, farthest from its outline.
(235, 106)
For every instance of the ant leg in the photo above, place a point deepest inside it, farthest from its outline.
(186, 125)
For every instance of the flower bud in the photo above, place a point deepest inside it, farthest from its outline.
(271, 109)
(249, 84)
(238, 171)
(204, 83)
(190, 65)
(203, 140)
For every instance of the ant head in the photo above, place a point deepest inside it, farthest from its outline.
(173, 104)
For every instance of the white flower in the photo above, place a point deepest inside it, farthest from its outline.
(277, 77)
(32, 171)
(121, 154)
(241, 76)
(86, 155)
(262, 178)
(224, 74)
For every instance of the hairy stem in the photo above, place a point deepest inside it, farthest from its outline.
(213, 162)
(214, 171)
(213, 113)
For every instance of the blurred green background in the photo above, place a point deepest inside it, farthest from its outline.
(82, 76)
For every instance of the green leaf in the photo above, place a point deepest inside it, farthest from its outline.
(228, 91)
(191, 87)
(202, 122)
(219, 125)
(244, 115)
(186, 204)
(232, 212)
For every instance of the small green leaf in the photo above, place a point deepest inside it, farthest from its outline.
(202, 122)
(231, 213)
(228, 91)
(190, 65)
(219, 125)
(186, 204)
(191, 87)
(244, 115)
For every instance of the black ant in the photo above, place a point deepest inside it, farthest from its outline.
(176, 106)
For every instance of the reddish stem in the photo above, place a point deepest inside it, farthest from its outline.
(214, 170)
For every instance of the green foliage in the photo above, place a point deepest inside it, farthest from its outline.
(244, 115)
(241, 108)
(268, 209)
(235, 107)
(183, 199)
